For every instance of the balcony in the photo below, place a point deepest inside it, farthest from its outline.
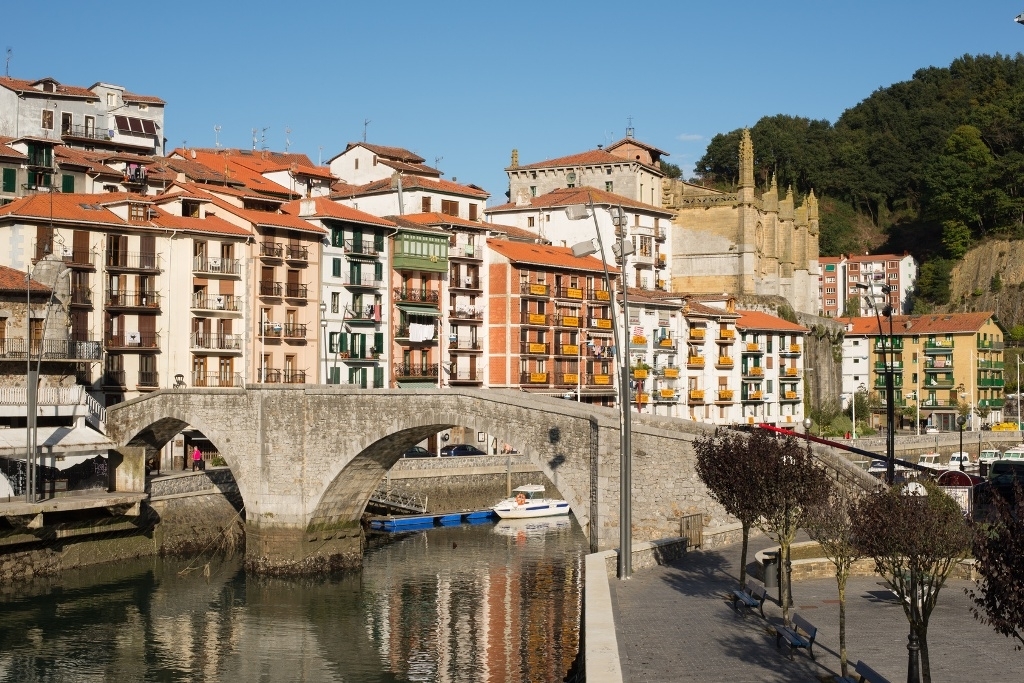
(132, 341)
(213, 379)
(535, 289)
(85, 132)
(567, 350)
(989, 344)
(113, 378)
(271, 251)
(134, 261)
(535, 319)
(934, 346)
(991, 382)
(696, 395)
(669, 372)
(81, 259)
(752, 396)
(695, 361)
(599, 295)
(897, 366)
(466, 282)
(660, 234)
(895, 344)
(216, 266)
(293, 290)
(412, 372)
(270, 330)
(930, 382)
(216, 302)
(148, 378)
(293, 376)
(697, 333)
(361, 248)
(403, 334)
(567, 378)
(791, 350)
(660, 261)
(465, 345)
(789, 397)
(573, 293)
(415, 296)
(274, 290)
(724, 362)
(994, 403)
(533, 378)
(81, 296)
(367, 315)
(752, 348)
(789, 372)
(466, 377)
(268, 376)
(465, 252)
(571, 321)
(130, 300)
(753, 371)
(600, 380)
(206, 341)
(639, 373)
(726, 336)
(939, 364)
(990, 364)
(639, 398)
(295, 331)
(362, 282)
(724, 396)
(50, 349)
(599, 323)
(665, 344)
(534, 348)
(638, 341)
(938, 403)
(466, 313)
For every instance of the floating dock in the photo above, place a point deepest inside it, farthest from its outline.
(411, 522)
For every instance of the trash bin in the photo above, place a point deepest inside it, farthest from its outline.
(770, 570)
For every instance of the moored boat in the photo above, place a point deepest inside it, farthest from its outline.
(529, 501)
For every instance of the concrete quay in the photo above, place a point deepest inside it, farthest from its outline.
(674, 622)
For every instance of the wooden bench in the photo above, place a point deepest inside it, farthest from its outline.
(752, 596)
(801, 635)
(865, 674)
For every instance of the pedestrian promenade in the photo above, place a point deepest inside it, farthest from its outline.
(675, 623)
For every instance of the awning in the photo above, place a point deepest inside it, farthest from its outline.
(70, 444)
(420, 309)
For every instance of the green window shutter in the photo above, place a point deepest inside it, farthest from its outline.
(362, 378)
(67, 183)
(10, 179)
(378, 272)
(354, 272)
(362, 346)
(334, 375)
(337, 237)
(378, 240)
(332, 345)
(378, 378)
(378, 342)
(352, 376)
(336, 267)
(343, 342)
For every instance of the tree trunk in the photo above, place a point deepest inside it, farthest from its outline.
(743, 554)
(926, 669)
(784, 580)
(841, 580)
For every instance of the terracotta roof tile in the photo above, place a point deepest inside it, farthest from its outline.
(325, 208)
(395, 153)
(441, 219)
(262, 218)
(81, 208)
(385, 185)
(913, 325)
(145, 99)
(566, 196)
(21, 85)
(13, 280)
(643, 145)
(210, 224)
(593, 157)
(698, 308)
(415, 169)
(756, 320)
(7, 152)
(90, 161)
(548, 256)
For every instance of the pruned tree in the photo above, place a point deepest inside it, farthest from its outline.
(914, 540)
(999, 560)
(733, 478)
(792, 483)
(830, 523)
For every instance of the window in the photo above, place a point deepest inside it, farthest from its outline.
(472, 212)
(335, 302)
(356, 167)
(47, 119)
(529, 219)
(608, 170)
(608, 186)
(449, 207)
(136, 212)
(336, 267)
(67, 183)
(533, 190)
(65, 122)
(374, 159)
(111, 99)
(11, 179)
(425, 205)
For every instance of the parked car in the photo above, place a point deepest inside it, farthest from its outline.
(1003, 475)
(931, 430)
(461, 449)
(417, 452)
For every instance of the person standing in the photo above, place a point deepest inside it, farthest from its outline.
(197, 459)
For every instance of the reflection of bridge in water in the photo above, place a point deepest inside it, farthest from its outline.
(307, 459)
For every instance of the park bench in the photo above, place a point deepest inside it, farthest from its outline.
(865, 674)
(752, 596)
(801, 635)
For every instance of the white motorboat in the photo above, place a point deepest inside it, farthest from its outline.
(931, 461)
(529, 501)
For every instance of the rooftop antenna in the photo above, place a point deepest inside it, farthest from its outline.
(216, 136)
(320, 156)
(287, 142)
(366, 122)
(254, 131)
(263, 138)
(437, 161)
(629, 126)
(7, 66)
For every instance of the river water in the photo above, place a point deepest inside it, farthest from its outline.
(469, 603)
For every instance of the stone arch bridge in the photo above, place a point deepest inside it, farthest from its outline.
(306, 459)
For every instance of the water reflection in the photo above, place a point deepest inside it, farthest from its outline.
(477, 603)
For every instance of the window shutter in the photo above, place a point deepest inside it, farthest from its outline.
(362, 378)
(10, 179)
(378, 272)
(362, 346)
(378, 240)
(334, 375)
(378, 342)
(332, 345)
(343, 342)
(336, 267)
(352, 375)
(67, 183)
(378, 378)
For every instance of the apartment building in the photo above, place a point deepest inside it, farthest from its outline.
(362, 162)
(941, 363)
(711, 376)
(549, 322)
(402, 194)
(850, 284)
(771, 368)
(103, 116)
(655, 334)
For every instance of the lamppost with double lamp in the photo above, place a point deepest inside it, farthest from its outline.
(960, 421)
(621, 248)
(323, 333)
(914, 489)
(890, 390)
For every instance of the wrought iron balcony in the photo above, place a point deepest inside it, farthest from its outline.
(129, 260)
(271, 250)
(271, 289)
(412, 371)
(147, 299)
(213, 379)
(216, 266)
(416, 296)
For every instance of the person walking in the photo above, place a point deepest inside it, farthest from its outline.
(197, 459)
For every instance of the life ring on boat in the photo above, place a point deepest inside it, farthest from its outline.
(520, 499)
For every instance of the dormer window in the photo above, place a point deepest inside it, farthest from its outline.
(48, 86)
(136, 212)
(189, 209)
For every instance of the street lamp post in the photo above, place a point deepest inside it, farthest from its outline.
(1018, 387)
(913, 645)
(960, 421)
(323, 333)
(621, 249)
(888, 361)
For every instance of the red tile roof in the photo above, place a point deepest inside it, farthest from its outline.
(566, 196)
(756, 320)
(642, 145)
(546, 256)
(13, 280)
(80, 208)
(7, 152)
(325, 208)
(441, 219)
(393, 153)
(90, 161)
(409, 182)
(593, 157)
(861, 258)
(21, 85)
(145, 99)
(698, 308)
(913, 325)
(262, 218)
(210, 224)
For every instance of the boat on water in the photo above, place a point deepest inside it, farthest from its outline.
(532, 527)
(932, 462)
(529, 501)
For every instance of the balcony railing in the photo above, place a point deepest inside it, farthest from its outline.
(533, 378)
(572, 321)
(990, 344)
(599, 323)
(80, 258)
(216, 266)
(534, 289)
(789, 372)
(133, 299)
(294, 290)
(726, 335)
(991, 364)
(935, 346)
(465, 251)
(81, 296)
(466, 313)
(575, 293)
(78, 130)
(535, 319)
(416, 296)
(991, 382)
(296, 252)
(752, 348)
(130, 260)
(787, 396)
(293, 376)
(132, 340)
(410, 371)
(277, 376)
(639, 373)
(941, 363)
(567, 378)
(294, 330)
(217, 342)
(938, 403)
(466, 375)
(149, 378)
(670, 372)
(897, 366)
(930, 382)
(753, 371)
(991, 403)
(660, 234)
(638, 341)
(696, 395)
(697, 333)
(271, 289)
(217, 302)
(403, 333)
(665, 396)
(791, 350)
(213, 379)
(724, 362)
(271, 250)
(895, 344)
(725, 396)
(665, 344)
(534, 348)
(465, 345)
(752, 396)
(363, 281)
(695, 361)
(568, 349)
(113, 378)
(464, 282)
(50, 349)
(361, 248)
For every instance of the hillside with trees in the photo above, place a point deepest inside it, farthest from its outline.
(933, 166)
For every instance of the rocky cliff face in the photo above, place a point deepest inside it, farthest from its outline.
(971, 281)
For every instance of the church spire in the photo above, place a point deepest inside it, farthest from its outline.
(746, 160)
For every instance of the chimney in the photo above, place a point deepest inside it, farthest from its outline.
(307, 207)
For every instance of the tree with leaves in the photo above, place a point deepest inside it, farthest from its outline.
(793, 483)
(914, 540)
(999, 561)
(731, 473)
(830, 524)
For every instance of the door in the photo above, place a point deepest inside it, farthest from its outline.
(199, 378)
(472, 367)
(65, 123)
(147, 331)
(147, 251)
(226, 371)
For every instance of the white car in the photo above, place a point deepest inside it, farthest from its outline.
(931, 430)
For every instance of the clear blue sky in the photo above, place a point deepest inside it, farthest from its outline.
(469, 81)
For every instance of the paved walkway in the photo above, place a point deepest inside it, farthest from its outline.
(675, 624)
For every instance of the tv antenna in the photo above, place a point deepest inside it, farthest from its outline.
(7, 66)
(366, 122)
(320, 156)
(437, 161)
(254, 131)
(287, 142)
(216, 136)
(263, 138)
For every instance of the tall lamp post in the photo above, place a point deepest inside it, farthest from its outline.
(621, 248)
(960, 421)
(888, 361)
(323, 333)
(914, 489)
(1018, 386)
